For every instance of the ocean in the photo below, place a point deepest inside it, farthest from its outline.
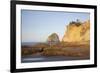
(40, 58)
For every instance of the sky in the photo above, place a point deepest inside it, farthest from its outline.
(36, 26)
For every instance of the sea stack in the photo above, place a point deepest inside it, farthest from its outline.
(53, 39)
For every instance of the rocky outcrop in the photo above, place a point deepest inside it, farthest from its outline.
(53, 39)
(77, 32)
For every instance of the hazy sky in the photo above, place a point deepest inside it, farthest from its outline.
(38, 25)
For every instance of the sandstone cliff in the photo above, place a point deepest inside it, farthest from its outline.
(77, 32)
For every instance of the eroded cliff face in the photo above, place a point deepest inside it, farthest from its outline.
(77, 33)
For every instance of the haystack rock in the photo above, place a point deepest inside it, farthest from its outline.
(77, 32)
(53, 39)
